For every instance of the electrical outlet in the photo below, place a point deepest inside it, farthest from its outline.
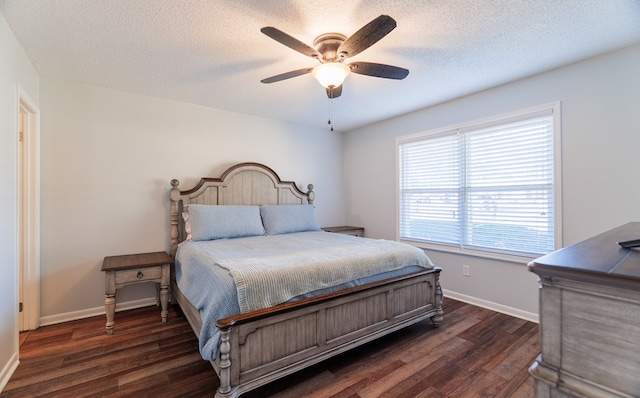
(466, 271)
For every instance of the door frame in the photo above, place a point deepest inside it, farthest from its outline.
(28, 214)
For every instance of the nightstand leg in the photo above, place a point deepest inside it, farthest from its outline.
(157, 295)
(110, 309)
(164, 302)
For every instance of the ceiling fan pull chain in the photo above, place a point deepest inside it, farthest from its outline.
(330, 111)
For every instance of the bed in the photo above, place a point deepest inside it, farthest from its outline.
(251, 343)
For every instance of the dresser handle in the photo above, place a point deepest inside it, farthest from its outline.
(140, 275)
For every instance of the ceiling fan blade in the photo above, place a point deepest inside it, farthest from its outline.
(286, 75)
(334, 92)
(367, 36)
(290, 42)
(379, 70)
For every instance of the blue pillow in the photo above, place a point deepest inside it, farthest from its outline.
(285, 219)
(210, 222)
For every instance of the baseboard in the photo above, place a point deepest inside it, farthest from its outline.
(8, 370)
(129, 305)
(527, 316)
(89, 312)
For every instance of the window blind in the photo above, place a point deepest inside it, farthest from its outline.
(486, 187)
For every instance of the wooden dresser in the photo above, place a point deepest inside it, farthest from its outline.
(590, 318)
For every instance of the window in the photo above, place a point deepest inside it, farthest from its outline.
(489, 186)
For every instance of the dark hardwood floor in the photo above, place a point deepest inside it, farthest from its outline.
(475, 353)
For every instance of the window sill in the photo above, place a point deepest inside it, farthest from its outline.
(524, 260)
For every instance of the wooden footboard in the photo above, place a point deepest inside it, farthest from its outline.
(262, 346)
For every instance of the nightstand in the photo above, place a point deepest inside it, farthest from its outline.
(347, 230)
(136, 268)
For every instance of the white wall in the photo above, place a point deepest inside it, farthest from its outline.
(600, 100)
(15, 70)
(107, 159)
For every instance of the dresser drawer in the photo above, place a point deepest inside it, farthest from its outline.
(138, 275)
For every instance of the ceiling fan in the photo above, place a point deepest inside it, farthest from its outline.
(331, 49)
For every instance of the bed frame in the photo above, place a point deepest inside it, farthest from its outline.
(262, 346)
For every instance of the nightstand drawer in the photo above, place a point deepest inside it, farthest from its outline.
(346, 230)
(138, 275)
(353, 232)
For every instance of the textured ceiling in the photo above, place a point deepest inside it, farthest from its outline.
(212, 53)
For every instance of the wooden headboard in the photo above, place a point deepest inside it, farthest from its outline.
(242, 184)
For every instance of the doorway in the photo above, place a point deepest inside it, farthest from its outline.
(28, 219)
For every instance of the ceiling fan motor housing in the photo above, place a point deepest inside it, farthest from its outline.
(327, 44)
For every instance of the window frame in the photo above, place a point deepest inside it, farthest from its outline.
(555, 109)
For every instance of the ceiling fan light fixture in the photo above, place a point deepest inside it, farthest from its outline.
(331, 74)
